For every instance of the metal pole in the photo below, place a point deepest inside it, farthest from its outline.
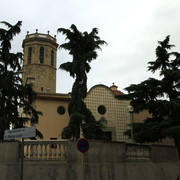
(22, 157)
(130, 109)
(82, 166)
(131, 126)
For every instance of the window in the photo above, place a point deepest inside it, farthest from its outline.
(29, 55)
(61, 110)
(52, 58)
(41, 55)
(101, 109)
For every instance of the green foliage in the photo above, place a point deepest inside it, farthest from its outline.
(13, 95)
(82, 47)
(160, 97)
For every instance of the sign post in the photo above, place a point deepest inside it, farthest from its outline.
(17, 134)
(83, 146)
(22, 158)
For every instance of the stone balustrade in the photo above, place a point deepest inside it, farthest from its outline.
(47, 36)
(57, 150)
(138, 152)
(45, 150)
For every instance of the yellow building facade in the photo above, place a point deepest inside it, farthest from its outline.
(55, 114)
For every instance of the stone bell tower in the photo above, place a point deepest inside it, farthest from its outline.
(39, 66)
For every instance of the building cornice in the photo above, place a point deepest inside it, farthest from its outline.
(40, 37)
(36, 64)
(53, 96)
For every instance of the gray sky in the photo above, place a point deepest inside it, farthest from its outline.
(130, 27)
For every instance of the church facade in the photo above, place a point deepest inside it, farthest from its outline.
(39, 68)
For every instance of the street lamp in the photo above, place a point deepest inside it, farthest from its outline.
(81, 131)
(130, 110)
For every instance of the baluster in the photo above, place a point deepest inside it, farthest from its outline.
(131, 151)
(59, 152)
(134, 151)
(31, 151)
(128, 152)
(41, 151)
(36, 151)
(50, 151)
(45, 151)
(138, 152)
(64, 151)
(54, 152)
(147, 154)
(143, 152)
(27, 153)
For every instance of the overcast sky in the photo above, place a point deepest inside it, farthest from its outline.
(130, 27)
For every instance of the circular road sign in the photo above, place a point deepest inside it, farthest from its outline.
(83, 145)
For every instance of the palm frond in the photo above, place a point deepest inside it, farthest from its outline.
(6, 24)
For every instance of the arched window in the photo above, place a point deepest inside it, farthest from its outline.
(29, 55)
(52, 58)
(41, 55)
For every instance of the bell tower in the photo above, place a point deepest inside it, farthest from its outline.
(39, 66)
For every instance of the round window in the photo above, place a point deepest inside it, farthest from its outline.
(102, 109)
(61, 110)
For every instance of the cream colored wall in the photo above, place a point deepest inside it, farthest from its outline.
(51, 123)
(45, 77)
(116, 114)
(140, 117)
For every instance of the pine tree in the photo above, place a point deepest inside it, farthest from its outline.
(82, 47)
(161, 98)
(13, 95)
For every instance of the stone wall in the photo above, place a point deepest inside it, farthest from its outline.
(103, 161)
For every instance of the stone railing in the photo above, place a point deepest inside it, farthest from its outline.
(47, 36)
(45, 150)
(138, 152)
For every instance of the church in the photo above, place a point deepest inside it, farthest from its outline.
(39, 68)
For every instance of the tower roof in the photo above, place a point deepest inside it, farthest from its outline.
(40, 37)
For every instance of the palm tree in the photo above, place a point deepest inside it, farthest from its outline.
(82, 47)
